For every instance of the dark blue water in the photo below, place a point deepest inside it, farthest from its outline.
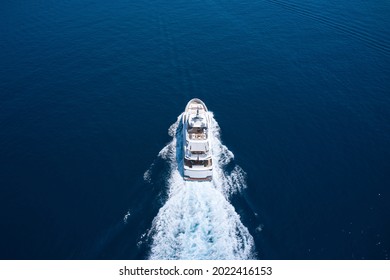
(89, 88)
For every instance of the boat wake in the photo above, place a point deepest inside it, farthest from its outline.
(197, 220)
(355, 27)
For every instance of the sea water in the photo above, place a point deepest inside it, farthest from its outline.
(300, 91)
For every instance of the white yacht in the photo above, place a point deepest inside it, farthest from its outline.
(198, 164)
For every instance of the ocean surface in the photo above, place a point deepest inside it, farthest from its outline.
(91, 94)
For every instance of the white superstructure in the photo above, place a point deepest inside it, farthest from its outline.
(198, 164)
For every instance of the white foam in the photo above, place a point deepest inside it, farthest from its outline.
(127, 215)
(148, 174)
(168, 152)
(197, 220)
(260, 228)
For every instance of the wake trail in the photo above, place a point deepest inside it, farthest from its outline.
(377, 41)
(197, 221)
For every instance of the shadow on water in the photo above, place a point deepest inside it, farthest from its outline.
(179, 147)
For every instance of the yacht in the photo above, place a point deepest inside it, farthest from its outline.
(198, 165)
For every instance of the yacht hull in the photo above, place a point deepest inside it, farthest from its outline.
(197, 159)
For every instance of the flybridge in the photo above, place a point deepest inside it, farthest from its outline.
(197, 154)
